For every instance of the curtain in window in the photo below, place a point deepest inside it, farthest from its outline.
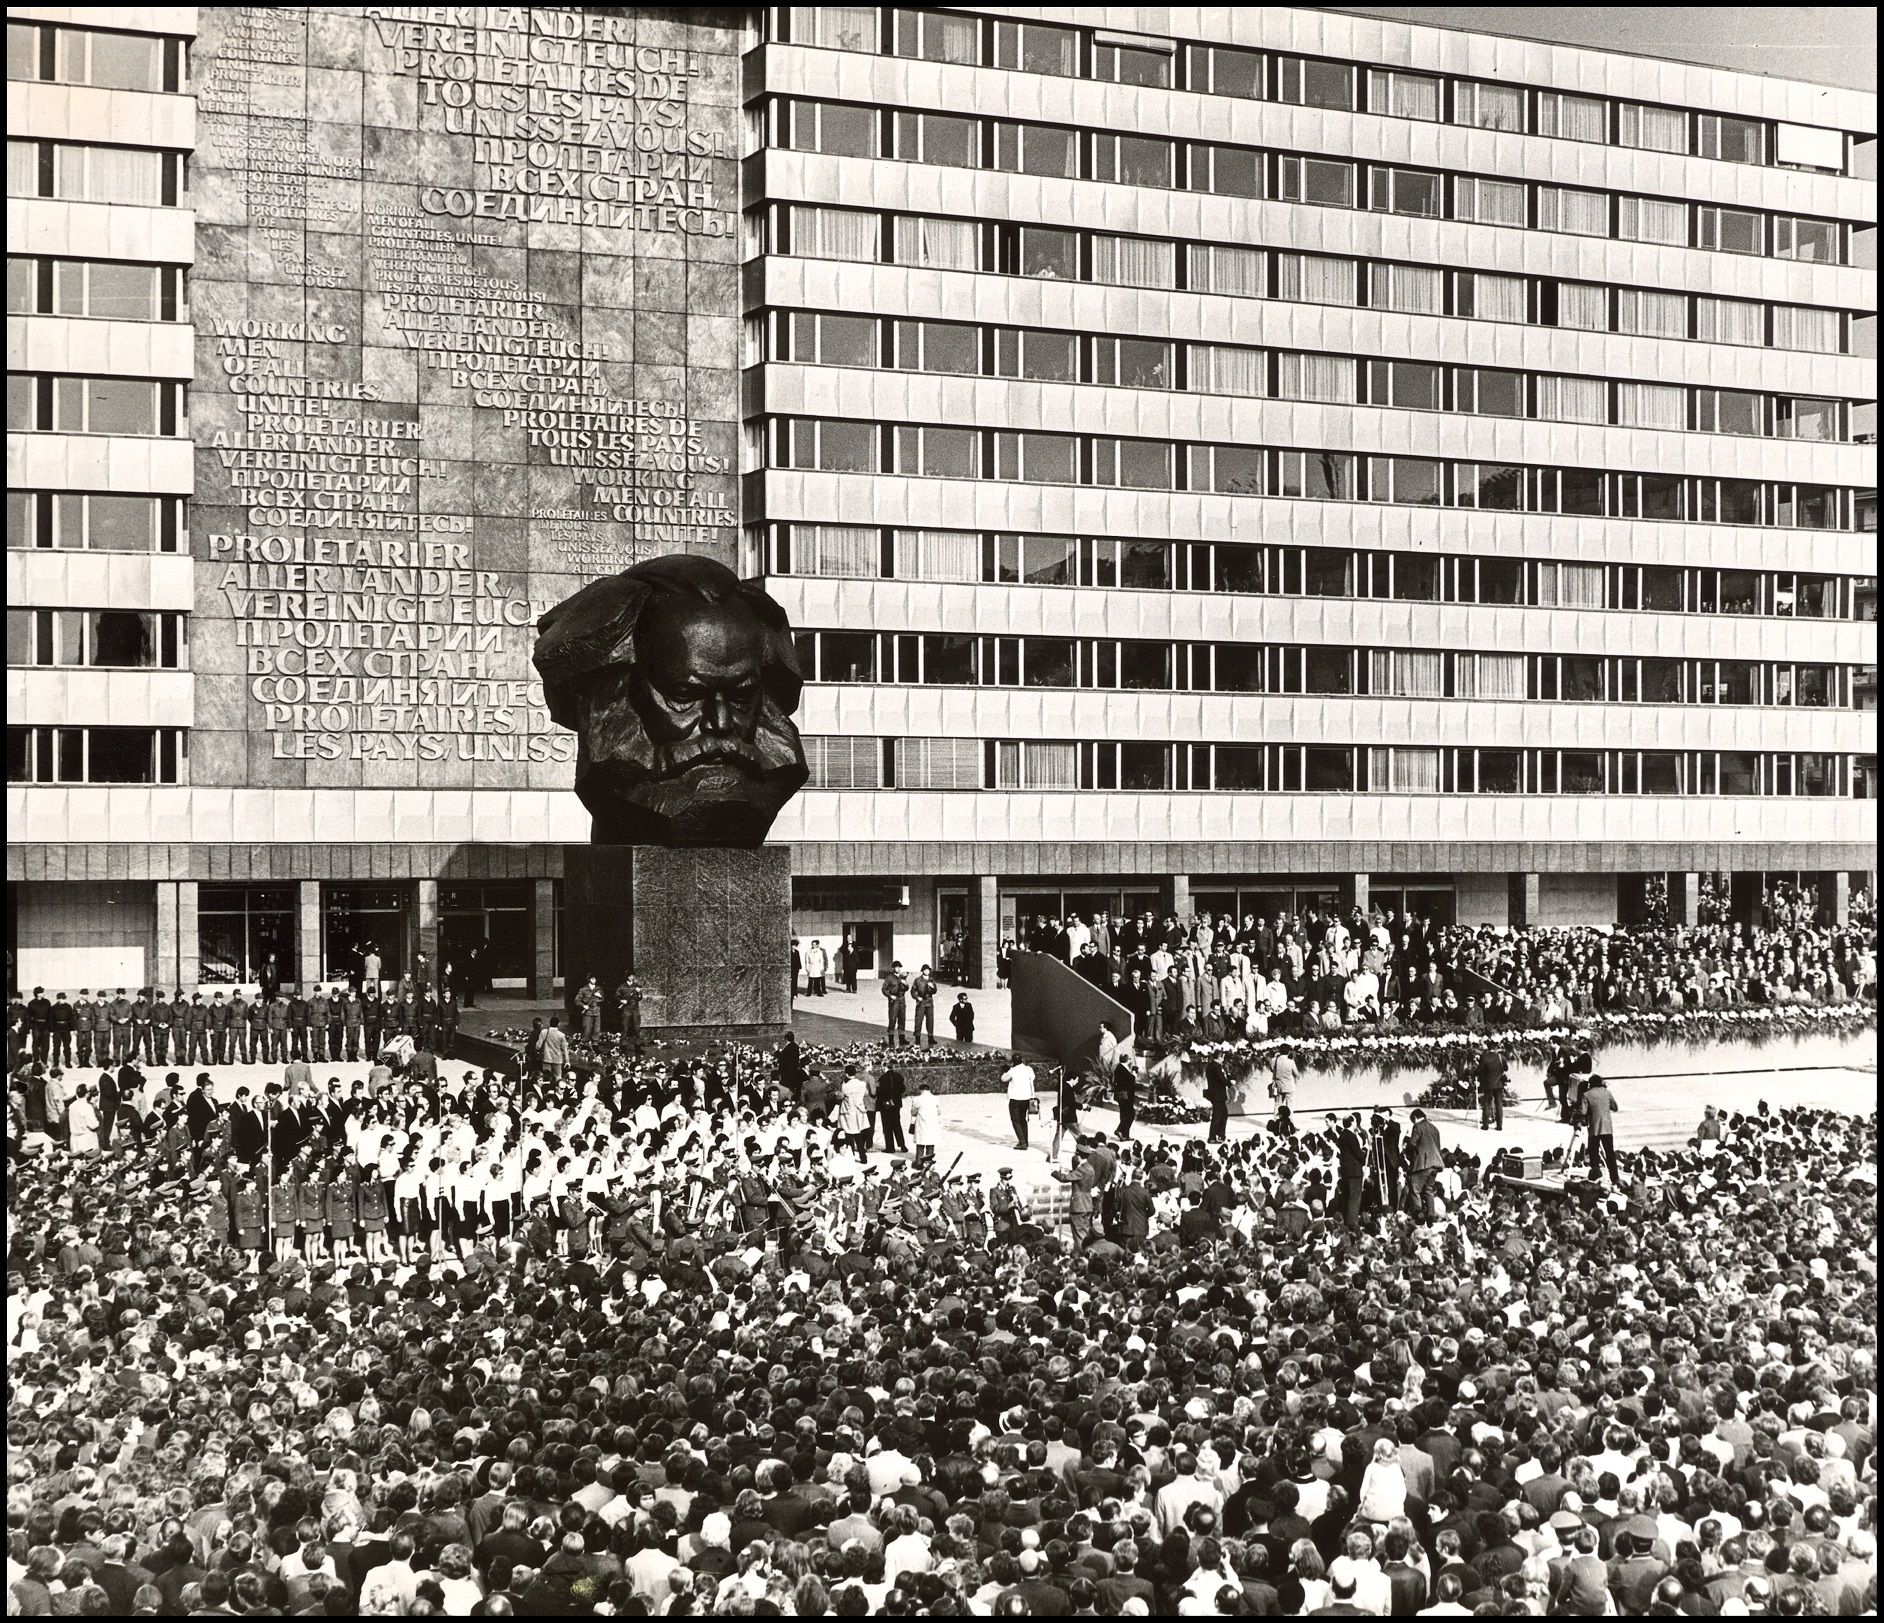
(1572, 400)
(1229, 270)
(1317, 279)
(938, 763)
(1226, 369)
(826, 233)
(1571, 586)
(1317, 377)
(1007, 770)
(1052, 766)
(1574, 118)
(1497, 298)
(1654, 219)
(1652, 315)
(1651, 405)
(844, 763)
(938, 555)
(1403, 95)
(1564, 208)
(1414, 289)
(1489, 676)
(1490, 202)
(1134, 261)
(842, 28)
(1407, 770)
(935, 244)
(1729, 321)
(1405, 675)
(1654, 129)
(121, 175)
(22, 169)
(1489, 107)
(1583, 305)
(1795, 326)
(847, 550)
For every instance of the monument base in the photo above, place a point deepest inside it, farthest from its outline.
(706, 931)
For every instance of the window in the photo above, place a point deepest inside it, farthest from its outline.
(1797, 326)
(847, 656)
(1305, 82)
(831, 340)
(835, 128)
(1134, 363)
(1047, 662)
(1415, 385)
(1036, 458)
(1036, 764)
(1488, 106)
(1730, 231)
(937, 244)
(1729, 411)
(1045, 251)
(99, 288)
(1133, 261)
(936, 36)
(837, 28)
(1134, 160)
(1487, 296)
(1225, 171)
(1143, 666)
(1489, 391)
(937, 555)
(1405, 191)
(833, 447)
(938, 346)
(949, 659)
(938, 138)
(1036, 149)
(1403, 674)
(1652, 129)
(847, 551)
(1807, 507)
(1651, 315)
(1327, 572)
(1734, 140)
(1571, 117)
(1328, 181)
(96, 56)
(828, 233)
(1405, 480)
(1801, 419)
(1036, 48)
(1489, 202)
(1328, 671)
(1651, 405)
(1411, 289)
(1649, 495)
(1328, 768)
(1237, 766)
(1315, 475)
(238, 926)
(96, 521)
(939, 453)
(1229, 470)
(1565, 208)
(1317, 279)
(1723, 501)
(1037, 560)
(1225, 369)
(1497, 487)
(1044, 357)
(1132, 464)
(1329, 378)
(1222, 70)
(843, 762)
(97, 755)
(1403, 95)
(1400, 770)
(1814, 240)
(1489, 676)
(1150, 62)
(116, 406)
(938, 763)
(1230, 270)
(1729, 321)
(1583, 305)
(1570, 586)
(1652, 219)
(95, 174)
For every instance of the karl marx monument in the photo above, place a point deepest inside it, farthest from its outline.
(679, 681)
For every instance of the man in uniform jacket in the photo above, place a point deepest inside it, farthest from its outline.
(142, 1007)
(269, 978)
(82, 1026)
(1351, 1167)
(446, 1022)
(1080, 1203)
(425, 1019)
(220, 1018)
(895, 996)
(922, 993)
(238, 1050)
(64, 1024)
(199, 1112)
(401, 1016)
(248, 1127)
(39, 1023)
(352, 1015)
(890, 1091)
(118, 1022)
(258, 1027)
(197, 1017)
(319, 1012)
(275, 1024)
(373, 1018)
(589, 1008)
(170, 1022)
(297, 1025)
(101, 1029)
(628, 1009)
(1005, 1204)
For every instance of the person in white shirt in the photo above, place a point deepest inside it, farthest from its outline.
(1019, 1079)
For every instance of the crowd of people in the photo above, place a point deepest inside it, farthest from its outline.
(665, 1330)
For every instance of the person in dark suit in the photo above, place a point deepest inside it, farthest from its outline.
(1423, 1160)
(199, 1112)
(1217, 1094)
(248, 1128)
(1125, 1093)
(791, 1067)
(1351, 1170)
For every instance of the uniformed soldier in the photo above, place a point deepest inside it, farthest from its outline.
(352, 1014)
(447, 1018)
(319, 1010)
(372, 1018)
(219, 1018)
(1005, 1205)
(275, 1027)
(239, 1050)
(120, 1020)
(170, 1022)
(197, 1015)
(975, 1213)
(141, 1008)
(82, 1025)
(297, 1025)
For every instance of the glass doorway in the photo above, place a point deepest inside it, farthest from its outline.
(352, 916)
(495, 919)
(951, 949)
(865, 940)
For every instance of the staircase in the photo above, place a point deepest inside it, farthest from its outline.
(1057, 1012)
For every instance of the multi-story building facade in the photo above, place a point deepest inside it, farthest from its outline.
(1215, 458)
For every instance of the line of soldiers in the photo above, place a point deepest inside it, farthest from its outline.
(186, 1029)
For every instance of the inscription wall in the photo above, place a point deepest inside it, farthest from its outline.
(467, 305)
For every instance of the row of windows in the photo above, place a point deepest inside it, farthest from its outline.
(104, 57)
(1303, 81)
(93, 521)
(956, 140)
(864, 552)
(840, 445)
(965, 659)
(966, 349)
(105, 639)
(107, 288)
(75, 405)
(1067, 254)
(98, 755)
(1049, 764)
(77, 173)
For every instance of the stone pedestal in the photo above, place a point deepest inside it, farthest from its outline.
(707, 932)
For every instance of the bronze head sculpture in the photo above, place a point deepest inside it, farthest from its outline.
(679, 680)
